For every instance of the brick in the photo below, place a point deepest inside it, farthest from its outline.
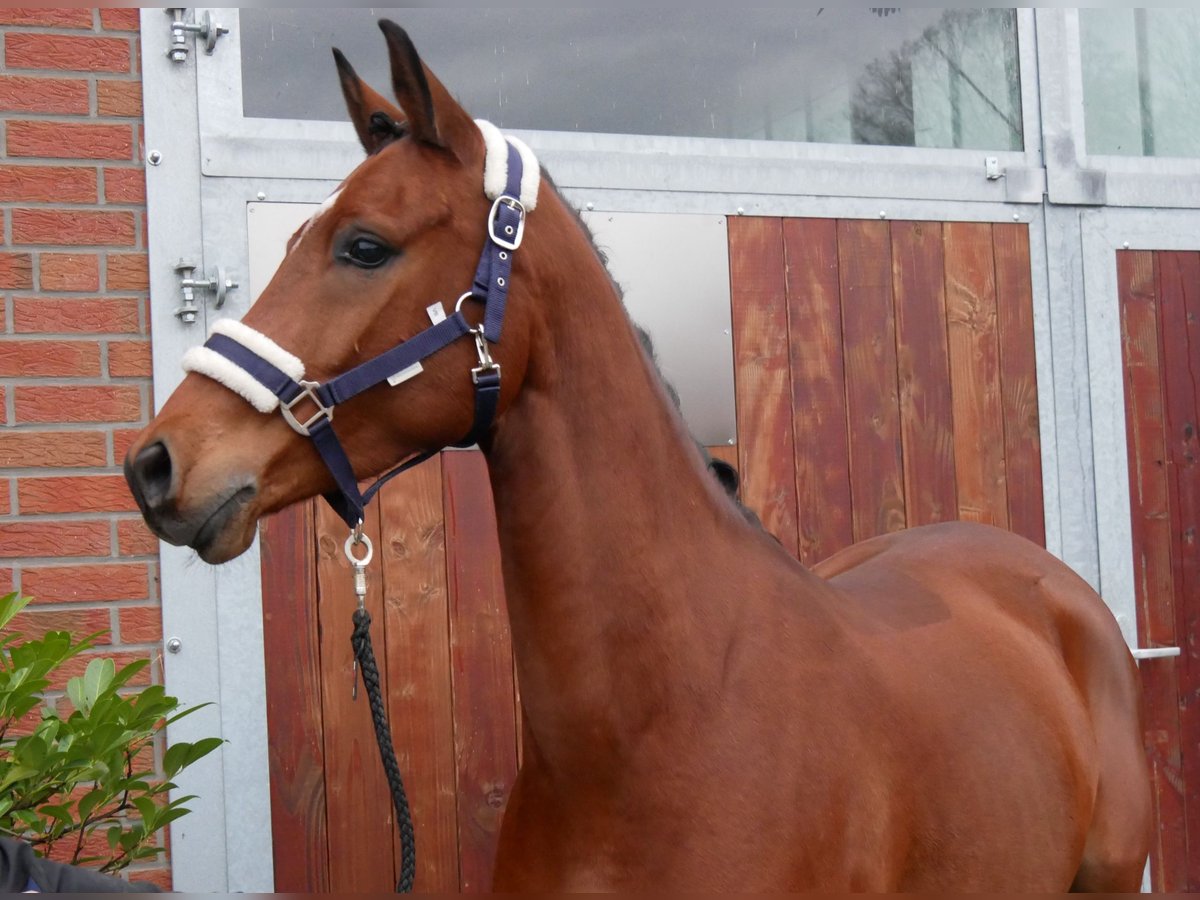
(123, 439)
(135, 539)
(61, 96)
(129, 359)
(160, 877)
(122, 99)
(48, 184)
(127, 19)
(68, 52)
(141, 625)
(69, 140)
(80, 622)
(27, 538)
(69, 272)
(87, 583)
(5, 500)
(74, 494)
(76, 315)
(128, 272)
(6, 581)
(16, 270)
(125, 186)
(52, 449)
(94, 403)
(49, 359)
(75, 228)
(55, 18)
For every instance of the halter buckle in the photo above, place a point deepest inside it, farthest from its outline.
(323, 411)
(511, 238)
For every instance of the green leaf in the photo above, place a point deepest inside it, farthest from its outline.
(114, 835)
(10, 605)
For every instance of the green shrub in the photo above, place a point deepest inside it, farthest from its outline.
(72, 777)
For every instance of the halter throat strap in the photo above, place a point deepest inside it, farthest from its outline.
(269, 377)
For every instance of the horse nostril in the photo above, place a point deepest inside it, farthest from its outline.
(149, 475)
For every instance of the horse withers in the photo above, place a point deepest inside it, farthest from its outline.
(946, 708)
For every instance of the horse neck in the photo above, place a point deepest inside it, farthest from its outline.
(609, 525)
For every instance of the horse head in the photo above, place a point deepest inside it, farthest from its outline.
(404, 231)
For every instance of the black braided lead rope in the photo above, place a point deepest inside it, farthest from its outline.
(360, 640)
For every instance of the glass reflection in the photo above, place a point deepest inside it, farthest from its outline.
(1141, 81)
(907, 77)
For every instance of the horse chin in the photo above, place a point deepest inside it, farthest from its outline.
(228, 530)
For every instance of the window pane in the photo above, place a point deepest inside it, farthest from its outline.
(1141, 81)
(910, 77)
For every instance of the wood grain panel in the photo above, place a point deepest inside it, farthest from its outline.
(1018, 381)
(360, 810)
(293, 675)
(420, 699)
(975, 373)
(872, 388)
(1179, 293)
(926, 406)
(485, 720)
(818, 387)
(1154, 582)
(766, 448)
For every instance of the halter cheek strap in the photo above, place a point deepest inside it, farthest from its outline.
(267, 376)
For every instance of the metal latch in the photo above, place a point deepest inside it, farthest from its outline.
(219, 283)
(1154, 652)
(207, 28)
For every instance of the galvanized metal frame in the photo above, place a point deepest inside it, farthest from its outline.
(1076, 176)
(215, 613)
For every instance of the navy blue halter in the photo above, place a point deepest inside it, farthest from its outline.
(505, 229)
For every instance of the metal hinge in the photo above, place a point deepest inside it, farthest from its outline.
(219, 283)
(207, 28)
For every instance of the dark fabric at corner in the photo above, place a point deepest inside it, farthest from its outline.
(21, 870)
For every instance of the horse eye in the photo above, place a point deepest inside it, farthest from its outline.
(366, 253)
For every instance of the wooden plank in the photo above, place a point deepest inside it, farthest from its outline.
(923, 361)
(818, 387)
(1018, 381)
(293, 676)
(361, 819)
(975, 373)
(1154, 582)
(872, 385)
(481, 654)
(1179, 284)
(766, 448)
(420, 698)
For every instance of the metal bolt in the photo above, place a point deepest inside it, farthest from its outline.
(262, 195)
(154, 157)
(591, 206)
(731, 442)
(741, 210)
(188, 318)
(1016, 217)
(174, 645)
(883, 214)
(1125, 245)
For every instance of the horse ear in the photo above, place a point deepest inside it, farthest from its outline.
(434, 116)
(373, 116)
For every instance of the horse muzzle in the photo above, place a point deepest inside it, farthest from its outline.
(209, 527)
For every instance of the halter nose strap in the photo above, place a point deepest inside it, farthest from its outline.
(269, 377)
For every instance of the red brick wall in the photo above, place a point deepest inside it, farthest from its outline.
(74, 327)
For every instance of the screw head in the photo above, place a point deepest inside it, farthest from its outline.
(261, 195)
(174, 645)
(154, 157)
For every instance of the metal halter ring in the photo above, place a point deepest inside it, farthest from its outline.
(357, 537)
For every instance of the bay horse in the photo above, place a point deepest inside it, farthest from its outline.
(945, 708)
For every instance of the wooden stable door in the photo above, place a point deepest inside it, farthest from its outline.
(1159, 296)
(884, 379)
